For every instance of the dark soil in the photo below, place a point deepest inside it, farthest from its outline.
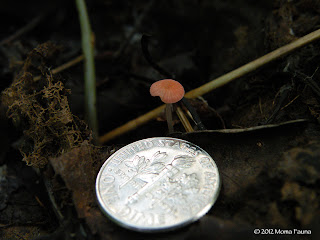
(269, 165)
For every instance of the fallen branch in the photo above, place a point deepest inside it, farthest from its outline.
(216, 83)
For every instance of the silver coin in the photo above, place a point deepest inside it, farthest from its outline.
(157, 184)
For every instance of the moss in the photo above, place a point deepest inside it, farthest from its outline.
(42, 110)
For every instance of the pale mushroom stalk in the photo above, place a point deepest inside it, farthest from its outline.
(169, 117)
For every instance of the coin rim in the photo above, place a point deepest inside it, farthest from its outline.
(130, 226)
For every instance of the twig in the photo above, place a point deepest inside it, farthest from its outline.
(290, 102)
(283, 93)
(89, 71)
(184, 120)
(260, 106)
(63, 66)
(249, 129)
(310, 82)
(239, 72)
(132, 124)
(250, 67)
(32, 24)
(55, 207)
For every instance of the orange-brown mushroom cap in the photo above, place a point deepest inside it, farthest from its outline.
(170, 91)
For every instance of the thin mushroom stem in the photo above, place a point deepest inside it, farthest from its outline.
(169, 117)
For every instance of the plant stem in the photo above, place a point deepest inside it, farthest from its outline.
(184, 120)
(89, 69)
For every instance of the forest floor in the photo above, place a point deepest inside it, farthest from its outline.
(269, 161)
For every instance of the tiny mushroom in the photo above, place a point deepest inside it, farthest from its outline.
(169, 91)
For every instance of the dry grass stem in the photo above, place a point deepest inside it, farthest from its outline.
(63, 66)
(89, 68)
(184, 120)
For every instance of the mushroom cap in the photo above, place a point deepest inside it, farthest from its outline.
(170, 91)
